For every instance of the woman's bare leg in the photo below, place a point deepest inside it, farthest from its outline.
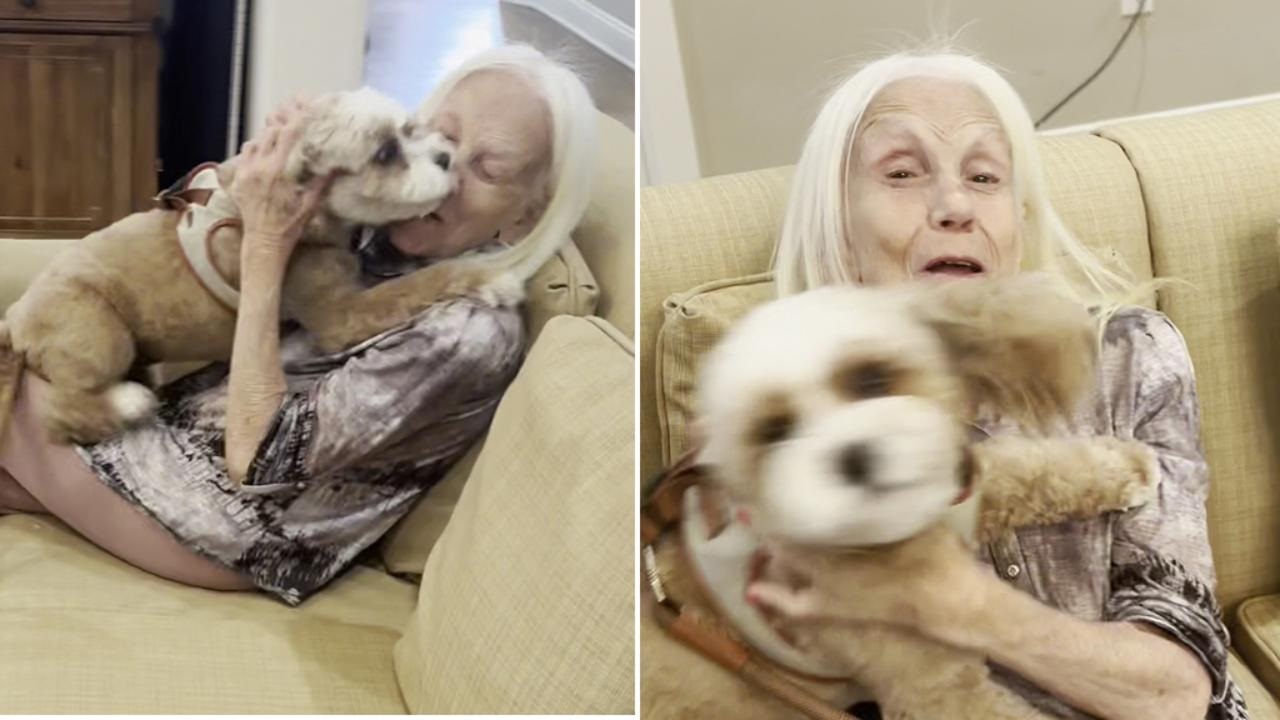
(56, 478)
(14, 498)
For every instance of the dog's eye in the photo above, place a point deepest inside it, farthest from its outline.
(868, 380)
(387, 153)
(772, 428)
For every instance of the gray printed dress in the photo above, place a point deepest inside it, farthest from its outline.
(1153, 563)
(360, 436)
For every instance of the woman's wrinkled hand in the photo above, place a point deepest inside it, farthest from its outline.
(931, 585)
(275, 209)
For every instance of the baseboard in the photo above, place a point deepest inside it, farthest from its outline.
(612, 36)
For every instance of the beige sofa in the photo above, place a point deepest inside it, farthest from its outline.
(525, 553)
(1195, 197)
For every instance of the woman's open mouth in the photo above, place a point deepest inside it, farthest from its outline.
(955, 266)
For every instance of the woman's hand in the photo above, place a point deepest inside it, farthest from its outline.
(930, 584)
(274, 208)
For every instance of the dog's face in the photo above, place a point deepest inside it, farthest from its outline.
(389, 167)
(837, 417)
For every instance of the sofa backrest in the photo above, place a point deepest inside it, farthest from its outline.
(1194, 197)
(1211, 187)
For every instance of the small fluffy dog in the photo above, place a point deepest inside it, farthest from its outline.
(161, 285)
(835, 421)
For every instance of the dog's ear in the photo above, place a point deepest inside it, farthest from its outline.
(1020, 344)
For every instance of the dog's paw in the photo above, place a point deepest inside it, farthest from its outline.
(1144, 485)
(131, 401)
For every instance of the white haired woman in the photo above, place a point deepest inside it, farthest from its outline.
(925, 168)
(347, 442)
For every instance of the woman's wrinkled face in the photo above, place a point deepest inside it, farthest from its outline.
(502, 128)
(930, 191)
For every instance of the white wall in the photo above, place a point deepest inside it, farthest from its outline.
(757, 70)
(302, 46)
(668, 150)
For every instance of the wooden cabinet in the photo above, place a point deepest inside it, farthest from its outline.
(77, 114)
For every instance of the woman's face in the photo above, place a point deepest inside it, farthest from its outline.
(930, 192)
(502, 128)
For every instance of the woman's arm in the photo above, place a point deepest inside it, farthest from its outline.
(274, 211)
(1114, 670)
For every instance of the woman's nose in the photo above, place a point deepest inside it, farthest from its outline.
(952, 211)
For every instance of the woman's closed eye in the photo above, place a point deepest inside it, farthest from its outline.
(488, 170)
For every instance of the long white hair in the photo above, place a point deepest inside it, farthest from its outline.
(573, 149)
(814, 247)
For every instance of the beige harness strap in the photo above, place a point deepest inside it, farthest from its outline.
(206, 207)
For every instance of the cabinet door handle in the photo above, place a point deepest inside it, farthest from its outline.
(28, 4)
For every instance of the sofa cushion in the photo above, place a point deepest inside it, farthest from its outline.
(563, 286)
(528, 599)
(725, 227)
(695, 320)
(1258, 638)
(1211, 183)
(1258, 699)
(86, 633)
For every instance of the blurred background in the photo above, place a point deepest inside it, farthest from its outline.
(732, 85)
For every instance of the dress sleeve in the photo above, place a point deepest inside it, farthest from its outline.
(1161, 566)
(439, 379)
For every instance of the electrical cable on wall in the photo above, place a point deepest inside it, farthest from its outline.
(1142, 4)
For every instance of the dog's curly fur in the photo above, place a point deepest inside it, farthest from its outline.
(1013, 345)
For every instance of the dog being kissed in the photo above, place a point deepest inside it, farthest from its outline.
(162, 285)
(837, 422)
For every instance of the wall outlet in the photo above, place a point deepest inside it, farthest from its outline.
(1129, 8)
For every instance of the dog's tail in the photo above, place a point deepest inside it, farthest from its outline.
(11, 367)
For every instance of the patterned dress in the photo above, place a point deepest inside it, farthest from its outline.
(1151, 564)
(360, 436)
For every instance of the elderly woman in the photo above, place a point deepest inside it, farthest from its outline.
(925, 168)
(347, 442)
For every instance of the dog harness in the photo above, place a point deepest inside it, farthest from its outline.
(205, 208)
(718, 549)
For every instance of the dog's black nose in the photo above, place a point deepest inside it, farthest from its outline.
(442, 159)
(855, 464)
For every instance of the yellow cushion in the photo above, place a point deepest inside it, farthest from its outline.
(725, 227)
(1261, 703)
(563, 286)
(1211, 184)
(695, 320)
(527, 602)
(1258, 638)
(81, 632)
